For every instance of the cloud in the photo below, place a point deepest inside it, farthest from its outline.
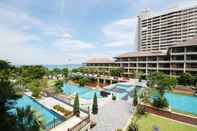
(186, 3)
(28, 40)
(121, 33)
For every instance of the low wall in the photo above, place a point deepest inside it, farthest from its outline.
(183, 89)
(83, 125)
(171, 115)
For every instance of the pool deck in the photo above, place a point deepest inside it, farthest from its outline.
(113, 115)
(49, 102)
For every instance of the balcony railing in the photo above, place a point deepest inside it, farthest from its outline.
(177, 61)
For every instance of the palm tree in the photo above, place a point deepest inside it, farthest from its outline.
(26, 120)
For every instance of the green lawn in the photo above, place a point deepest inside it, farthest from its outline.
(147, 122)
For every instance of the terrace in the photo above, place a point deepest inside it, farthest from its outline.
(71, 122)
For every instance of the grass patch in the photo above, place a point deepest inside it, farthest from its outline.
(148, 121)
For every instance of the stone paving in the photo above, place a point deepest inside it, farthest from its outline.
(113, 115)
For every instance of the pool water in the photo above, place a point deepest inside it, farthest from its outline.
(47, 116)
(128, 88)
(182, 103)
(121, 90)
(83, 92)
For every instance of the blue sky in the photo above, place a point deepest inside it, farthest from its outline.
(71, 31)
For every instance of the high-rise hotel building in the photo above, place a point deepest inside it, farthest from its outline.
(166, 42)
(158, 32)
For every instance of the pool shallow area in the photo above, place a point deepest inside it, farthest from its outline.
(83, 92)
(125, 87)
(182, 103)
(48, 117)
(122, 90)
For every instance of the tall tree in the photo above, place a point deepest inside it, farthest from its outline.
(95, 105)
(83, 81)
(57, 72)
(185, 79)
(116, 72)
(161, 82)
(76, 108)
(58, 86)
(135, 98)
(7, 92)
(35, 87)
(44, 82)
(65, 72)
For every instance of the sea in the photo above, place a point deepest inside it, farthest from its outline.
(51, 67)
(70, 66)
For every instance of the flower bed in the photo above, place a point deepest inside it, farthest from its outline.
(66, 113)
(171, 115)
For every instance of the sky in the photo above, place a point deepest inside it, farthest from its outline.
(72, 31)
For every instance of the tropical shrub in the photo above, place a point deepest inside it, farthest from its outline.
(113, 97)
(160, 102)
(140, 110)
(104, 93)
(132, 127)
(63, 110)
(26, 120)
(185, 79)
(36, 91)
(92, 124)
(83, 81)
(35, 88)
(116, 72)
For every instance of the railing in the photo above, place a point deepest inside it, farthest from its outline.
(52, 124)
(80, 125)
(171, 115)
(66, 102)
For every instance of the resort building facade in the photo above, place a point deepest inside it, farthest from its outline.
(166, 43)
(101, 63)
(177, 60)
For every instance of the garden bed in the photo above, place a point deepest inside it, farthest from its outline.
(149, 121)
(183, 89)
(66, 113)
(171, 115)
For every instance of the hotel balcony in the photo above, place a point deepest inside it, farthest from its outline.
(191, 69)
(191, 53)
(152, 68)
(141, 68)
(177, 61)
(191, 61)
(176, 69)
(130, 67)
(177, 51)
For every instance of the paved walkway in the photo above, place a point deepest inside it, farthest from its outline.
(113, 115)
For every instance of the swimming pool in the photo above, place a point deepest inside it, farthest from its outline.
(182, 103)
(121, 90)
(83, 92)
(125, 87)
(48, 117)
